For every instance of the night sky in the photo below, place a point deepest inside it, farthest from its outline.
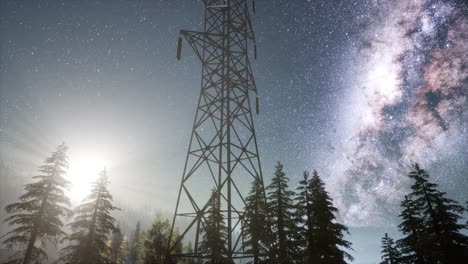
(358, 90)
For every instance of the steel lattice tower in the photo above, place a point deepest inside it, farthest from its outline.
(223, 153)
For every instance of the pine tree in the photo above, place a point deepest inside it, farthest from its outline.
(453, 244)
(124, 251)
(92, 224)
(256, 215)
(37, 215)
(133, 255)
(156, 241)
(303, 216)
(443, 241)
(179, 248)
(214, 232)
(116, 245)
(280, 201)
(390, 254)
(327, 234)
(412, 245)
(189, 250)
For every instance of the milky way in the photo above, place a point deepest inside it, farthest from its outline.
(408, 104)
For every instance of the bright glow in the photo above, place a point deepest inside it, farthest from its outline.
(84, 168)
(384, 77)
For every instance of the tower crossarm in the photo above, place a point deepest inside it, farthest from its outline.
(197, 40)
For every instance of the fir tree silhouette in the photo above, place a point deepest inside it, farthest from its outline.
(327, 235)
(412, 245)
(92, 224)
(280, 203)
(37, 215)
(390, 253)
(133, 245)
(439, 238)
(258, 238)
(303, 206)
(214, 232)
(118, 247)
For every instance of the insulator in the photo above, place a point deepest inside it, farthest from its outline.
(179, 48)
(257, 105)
(255, 51)
(253, 6)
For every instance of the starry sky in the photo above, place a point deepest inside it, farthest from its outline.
(358, 90)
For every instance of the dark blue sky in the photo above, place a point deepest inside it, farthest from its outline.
(354, 89)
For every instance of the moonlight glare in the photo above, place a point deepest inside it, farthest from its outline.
(84, 168)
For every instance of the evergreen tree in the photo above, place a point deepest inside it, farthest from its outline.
(304, 238)
(133, 255)
(390, 254)
(117, 247)
(92, 224)
(327, 234)
(453, 244)
(124, 251)
(214, 232)
(37, 215)
(156, 242)
(189, 250)
(114, 244)
(141, 247)
(179, 248)
(280, 201)
(257, 218)
(412, 245)
(443, 241)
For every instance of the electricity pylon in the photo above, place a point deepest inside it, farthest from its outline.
(223, 154)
